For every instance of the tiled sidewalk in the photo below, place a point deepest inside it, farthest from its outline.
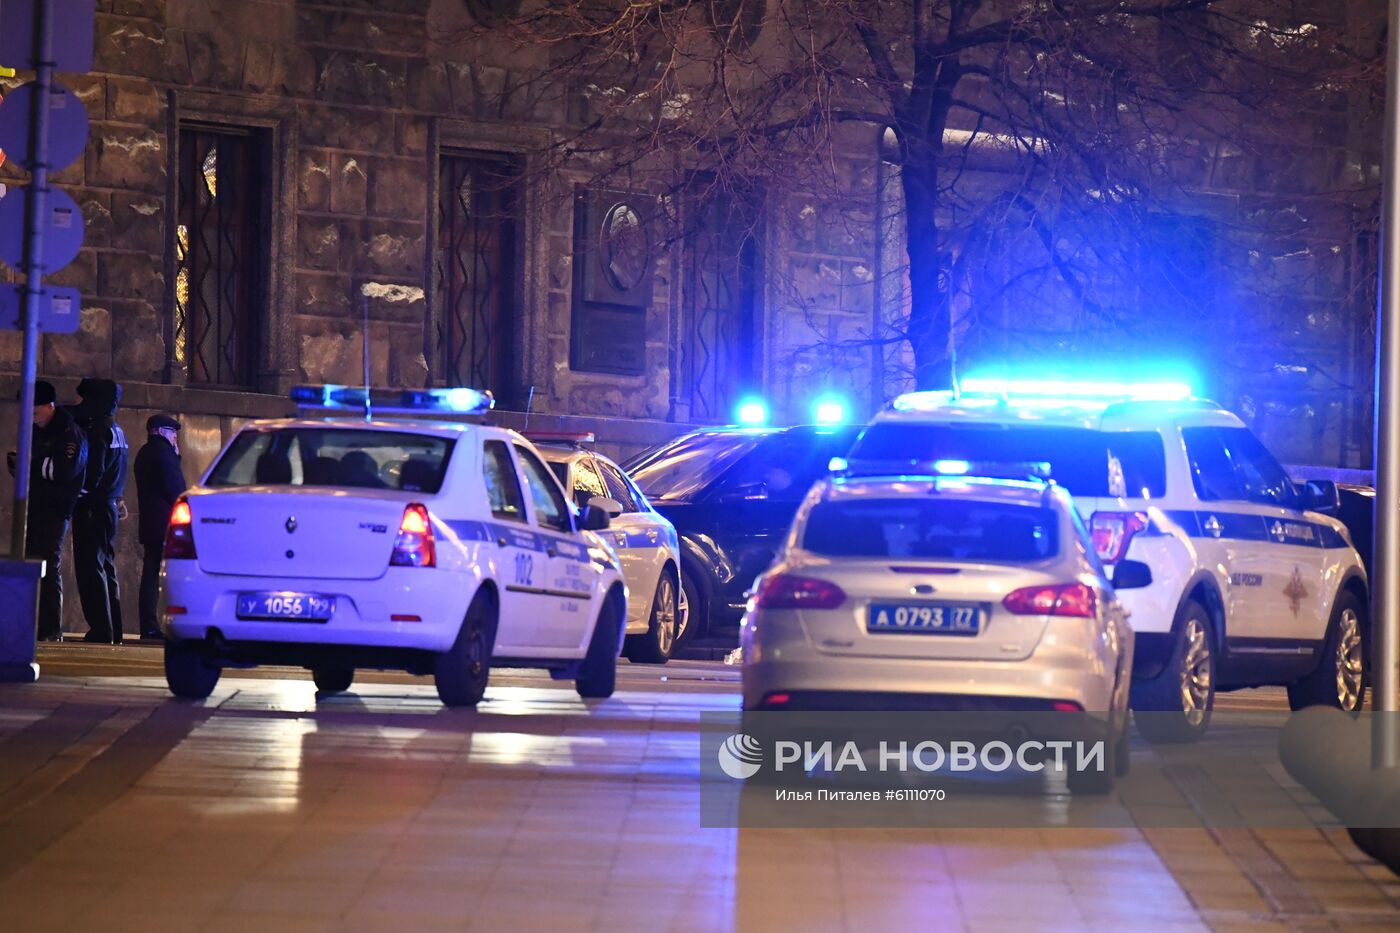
(267, 811)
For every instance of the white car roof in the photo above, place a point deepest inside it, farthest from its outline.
(448, 429)
(1109, 416)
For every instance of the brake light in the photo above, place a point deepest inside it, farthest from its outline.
(414, 547)
(179, 534)
(1068, 599)
(787, 591)
(1112, 532)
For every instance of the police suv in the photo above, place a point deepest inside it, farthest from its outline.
(645, 542)
(436, 547)
(1253, 580)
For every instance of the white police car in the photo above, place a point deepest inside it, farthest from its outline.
(1253, 582)
(436, 547)
(645, 541)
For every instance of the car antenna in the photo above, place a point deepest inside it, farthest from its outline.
(529, 404)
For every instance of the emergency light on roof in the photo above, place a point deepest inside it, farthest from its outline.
(1076, 389)
(829, 411)
(752, 413)
(452, 401)
(1045, 392)
(978, 469)
(562, 437)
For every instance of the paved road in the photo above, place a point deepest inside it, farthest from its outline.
(268, 808)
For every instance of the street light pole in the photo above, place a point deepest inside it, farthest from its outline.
(33, 272)
(1385, 588)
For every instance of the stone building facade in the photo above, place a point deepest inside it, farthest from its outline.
(269, 181)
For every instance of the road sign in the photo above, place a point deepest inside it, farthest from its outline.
(62, 223)
(72, 35)
(60, 309)
(68, 125)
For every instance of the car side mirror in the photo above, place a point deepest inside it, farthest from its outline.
(606, 504)
(1131, 575)
(593, 518)
(1321, 495)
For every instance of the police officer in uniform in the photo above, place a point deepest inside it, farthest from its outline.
(159, 482)
(58, 459)
(99, 509)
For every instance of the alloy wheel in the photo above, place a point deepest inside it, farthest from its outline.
(1349, 662)
(1195, 672)
(665, 615)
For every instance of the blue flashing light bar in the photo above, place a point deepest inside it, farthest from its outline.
(1025, 471)
(1097, 390)
(829, 411)
(752, 413)
(358, 399)
(1044, 393)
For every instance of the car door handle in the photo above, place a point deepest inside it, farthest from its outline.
(1212, 527)
(501, 540)
(552, 551)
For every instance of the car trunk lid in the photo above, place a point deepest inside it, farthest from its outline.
(884, 616)
(314, 534)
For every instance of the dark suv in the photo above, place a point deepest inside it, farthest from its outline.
(732, 494)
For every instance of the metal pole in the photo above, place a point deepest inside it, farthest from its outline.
(1385, 623)
(33, 269)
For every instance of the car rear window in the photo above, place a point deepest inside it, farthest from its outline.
(1084, 461)
(360, 459)
(940, 529)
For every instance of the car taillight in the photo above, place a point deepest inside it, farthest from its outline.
(179, 534)
(414, 547)
(786, 591)
(1068, 599)
(1113, 532)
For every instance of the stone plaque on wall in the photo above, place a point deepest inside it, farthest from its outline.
(614, 261)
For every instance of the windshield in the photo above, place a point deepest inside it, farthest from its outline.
(362, 459)
(1084, 461)
(688, 464)
(939, 529)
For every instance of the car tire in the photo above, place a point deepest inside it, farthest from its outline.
(1123, 750)
(697, 621)
(654, 645)
(597, 676)
(1094, 783)
(188, 672)
(461, 672)
(333, 679)
(1175, 706)
(1339, 680)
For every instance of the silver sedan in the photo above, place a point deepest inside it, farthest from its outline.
(940, 592)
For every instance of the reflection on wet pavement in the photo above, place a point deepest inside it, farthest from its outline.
(270, 808)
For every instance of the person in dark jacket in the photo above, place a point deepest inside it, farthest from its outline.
(58, 458)
(99, 509)
(159, 482)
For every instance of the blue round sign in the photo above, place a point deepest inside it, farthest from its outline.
(68, 126)
(62, 222)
